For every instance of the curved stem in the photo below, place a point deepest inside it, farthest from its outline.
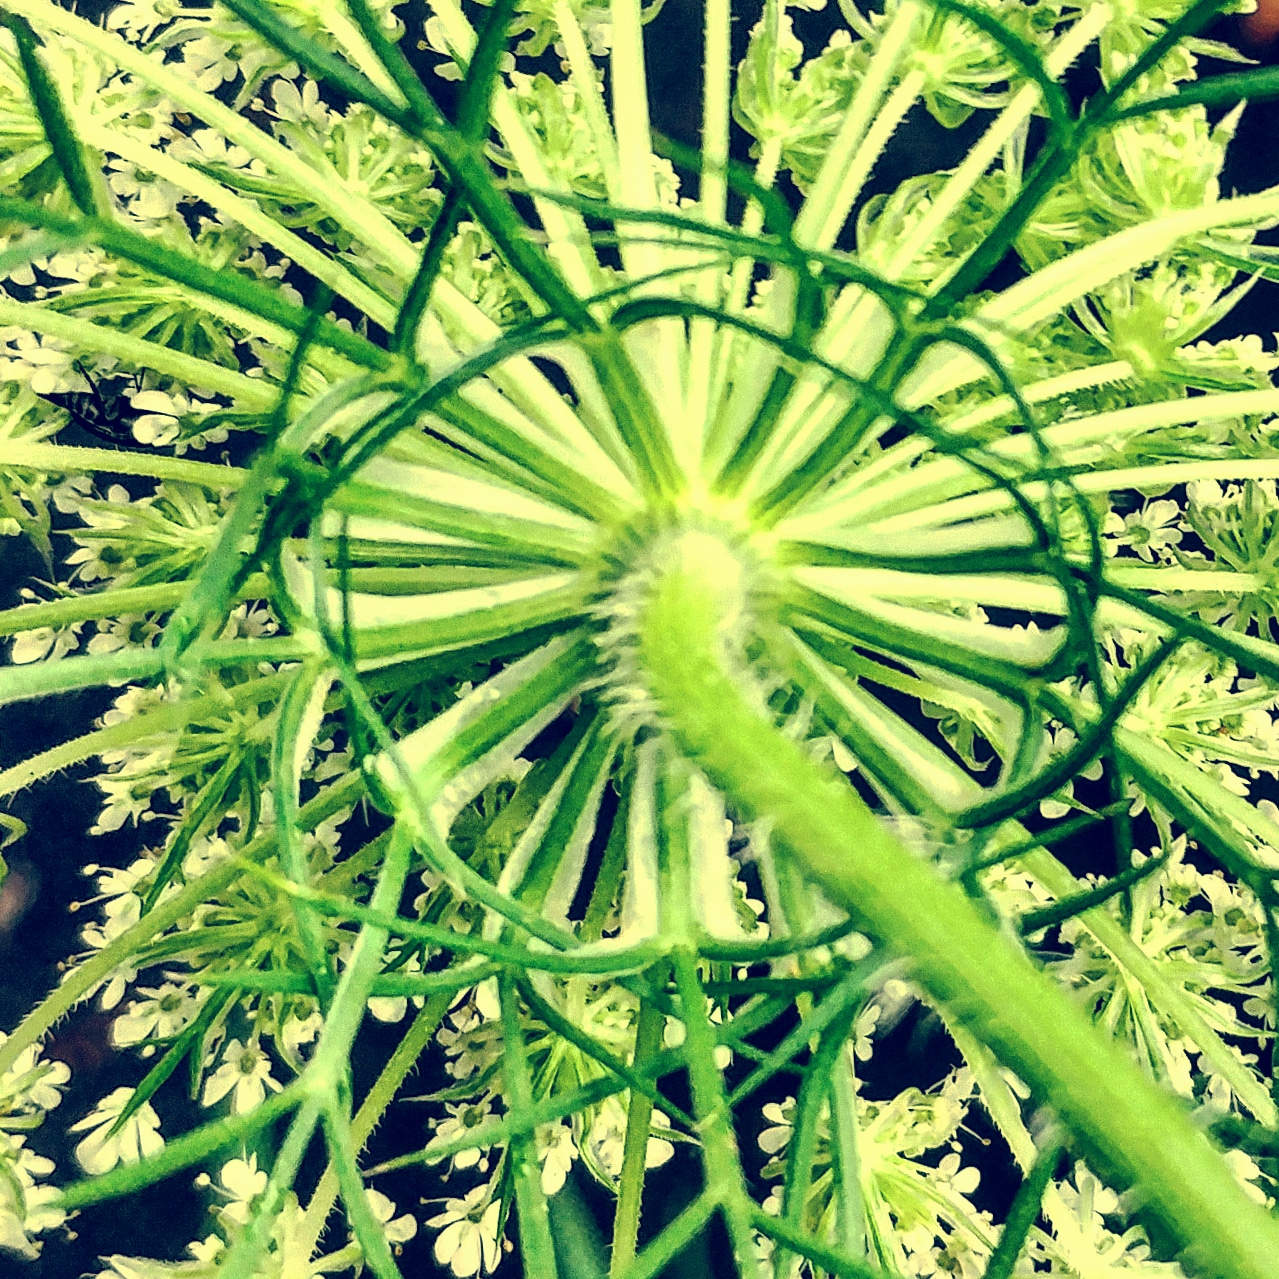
(1132, 1132)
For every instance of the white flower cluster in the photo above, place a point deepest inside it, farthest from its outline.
(29, 1089)
(239, 1183)
(920, 1218)
(469, 1242)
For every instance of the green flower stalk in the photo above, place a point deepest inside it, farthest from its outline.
(669, 614)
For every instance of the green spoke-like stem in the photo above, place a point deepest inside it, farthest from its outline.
(720, 1157)
(253, 394)
(639, 1114)
(371, 1110)
(60, 459)
(536, 1245)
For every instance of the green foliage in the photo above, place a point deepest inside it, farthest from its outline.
(647, 642)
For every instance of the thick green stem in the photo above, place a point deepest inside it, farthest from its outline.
(1133, 1133)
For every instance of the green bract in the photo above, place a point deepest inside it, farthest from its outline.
(672, 613)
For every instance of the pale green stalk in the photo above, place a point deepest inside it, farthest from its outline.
(784, 443)
(1055, 287)
(112, 602)
(956, 790)
(919, 498)
(659, 349)
(106, 339)
(720, 1159)
(903, 455)
(703, 336)
(852, 154)
(1005, 126)
(62, 459)
(648, 1039)
(537, 1249)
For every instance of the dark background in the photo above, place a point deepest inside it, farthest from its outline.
(38, 931)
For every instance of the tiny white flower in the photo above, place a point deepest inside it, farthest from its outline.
(388, 1008)
(1152, 530)
(777, 1135)
(160, 413)
(556, 1150)
(31, 1084)
(204, 853)
(468, 1233)
(51, 642)
(166, 1011)
(460, 1120)
(99, 1152)
(299, 1030)
(246, 1069)
(1247, 1174)
(139, 18)
(605, 1141)
(205, 146)
(132, 630)
(299, 108)
(32, 646)
(243, 1181)
(249, 622)
(68, 495)
(206, 63)
(396, 1229)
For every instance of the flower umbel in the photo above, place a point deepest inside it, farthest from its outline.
(760, 609)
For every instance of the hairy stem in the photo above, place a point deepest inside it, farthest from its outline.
(1131, 1131)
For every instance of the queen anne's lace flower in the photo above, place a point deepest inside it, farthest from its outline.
(102, 1149)
(163, 1013)
(312, 186)
(245, 1072)
(468, 1238)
